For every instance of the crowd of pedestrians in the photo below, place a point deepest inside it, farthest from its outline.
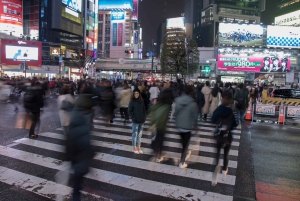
(134, 101)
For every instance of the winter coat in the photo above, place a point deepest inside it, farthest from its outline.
(166, 97)
(200, 99)
(207, 93)
(125, 96)
(154, 92)
(38, 100)
(186, 112)
(244, 93)
(214, 103)
(78, 147)
(64, 115)
(159, 114)
(137, 111)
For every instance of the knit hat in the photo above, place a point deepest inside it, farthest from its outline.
(136, 90)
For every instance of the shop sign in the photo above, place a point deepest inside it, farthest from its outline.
(265, 109)
(293, 111)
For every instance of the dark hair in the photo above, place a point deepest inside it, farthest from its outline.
(207, 83)
(241, 86)
(215, 91)
(126, 86)
(188, 89)
(227, 84)
(227, 94)
(140, 99)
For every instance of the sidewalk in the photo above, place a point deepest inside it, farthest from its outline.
(276, 154)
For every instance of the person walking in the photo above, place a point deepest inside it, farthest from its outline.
(125, 97)
(154, 92)
(206, 90)
(215, 99)
(242, 100)
(200, 100)
(65, 104)
(137, 112)
(224, 117)
(186, 114)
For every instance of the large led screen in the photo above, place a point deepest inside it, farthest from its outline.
(11, 17)
(115, 4)
(74, 5)
(283, 36)
(177, 22)
(16, 53)
(240, 34)
(253, 60)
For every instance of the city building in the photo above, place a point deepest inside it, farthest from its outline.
(287, 13)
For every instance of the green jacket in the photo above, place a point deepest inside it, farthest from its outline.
(159, 114)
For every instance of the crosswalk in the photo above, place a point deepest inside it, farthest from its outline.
(116, 170)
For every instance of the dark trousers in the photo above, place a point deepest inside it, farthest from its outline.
(185, 140)
(35, 117)
(205, 116)
(124, 111)
(77, 181)
(226, 155)
(157, 144)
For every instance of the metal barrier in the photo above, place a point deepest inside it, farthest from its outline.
(278, 101)
(265, 113)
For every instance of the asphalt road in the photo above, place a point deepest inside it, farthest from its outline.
(266, 158)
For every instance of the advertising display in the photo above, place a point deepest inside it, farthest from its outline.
(282, 36)
(265, 109)
(116, 4)
(114, 34)
(240, 34)
(173, 23)
(120, 34)
(135, 11)
(253, 60)
(293, 111)
(11, 19)
(117, 15)
(74, 5)
(15, 52)
(232, 79)
(290, 19)
(54, 51)
(266, 78)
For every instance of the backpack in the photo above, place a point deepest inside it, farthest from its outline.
(66, 105)
(29, 97)
(240, 100)
(225, 126)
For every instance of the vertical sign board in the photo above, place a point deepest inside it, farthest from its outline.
(293, 111)
(114, 34)
(120, 34)
(265, 109)
(136, 37)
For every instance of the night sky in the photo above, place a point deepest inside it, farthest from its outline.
(151, 14)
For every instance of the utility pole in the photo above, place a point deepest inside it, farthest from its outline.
(152, 60)
(188, 58)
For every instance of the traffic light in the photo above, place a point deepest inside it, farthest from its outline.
(129, 51)
(207, 69)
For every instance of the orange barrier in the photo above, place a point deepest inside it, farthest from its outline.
(249, 113)
(281, 115)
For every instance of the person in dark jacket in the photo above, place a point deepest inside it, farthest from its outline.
(137, 112)
(78, 147)
(33, 102)
(200, 100)
(223, 111)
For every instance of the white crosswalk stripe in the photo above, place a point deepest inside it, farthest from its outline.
(113, 145)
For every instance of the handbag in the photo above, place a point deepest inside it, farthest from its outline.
(23, 121)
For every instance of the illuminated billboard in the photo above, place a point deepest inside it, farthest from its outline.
(135, 12)
(11, 20)
(74, 5)
(240, 34)
(283, 36)
(115, 4)
(290, 19)
(253, 60)
(173, 23)
(117, 15)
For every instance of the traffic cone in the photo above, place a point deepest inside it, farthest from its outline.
(249, 112)
(281, 115)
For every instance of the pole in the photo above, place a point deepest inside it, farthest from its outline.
(152, 60)
(188, 58)
(25, 68)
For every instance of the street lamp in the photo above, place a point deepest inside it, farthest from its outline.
(25, 55)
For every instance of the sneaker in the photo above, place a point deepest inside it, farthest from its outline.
(111, 121)
(188, 154)
(136, 151)
(225, 171)
(33, 136)
(140, 151)
(182, 165)
(158, 160)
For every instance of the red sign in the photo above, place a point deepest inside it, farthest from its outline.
(88, 40)
(14, 52)
(11, 15)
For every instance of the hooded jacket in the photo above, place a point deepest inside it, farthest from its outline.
(223, 111)
(186, 112)
(137, 111)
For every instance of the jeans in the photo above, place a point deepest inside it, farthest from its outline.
(226, 156)
(35, 118)
(124, 111)
(137, 130)
(78, 178)
(240, 116)
(185, 139)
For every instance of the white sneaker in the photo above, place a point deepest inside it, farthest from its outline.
(158, 160)
(140, 151)
(184, 165)
(225, 171)
(136, 151)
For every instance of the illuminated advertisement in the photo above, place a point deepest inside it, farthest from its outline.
(115, 4)
(135, 12)
(117, 15)
(15, 52)
(11, 17)
(120, 34)
(96, 31)
(173, 23)
(240, 34)
(54, 51)
(282, 36)
(114, 34)
(74, 5)
(291, 19)
(253, 60)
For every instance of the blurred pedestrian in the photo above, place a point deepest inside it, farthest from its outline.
(186, 113)
(154, 92)
(137, 112)
(200, 99)
(125, 97)
(215, 99)
(241, 104)
(206, 90)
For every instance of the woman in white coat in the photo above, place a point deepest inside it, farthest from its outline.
(154, 92)
(206, 90)
(125, 97)
(65, 104)
(215, 99)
